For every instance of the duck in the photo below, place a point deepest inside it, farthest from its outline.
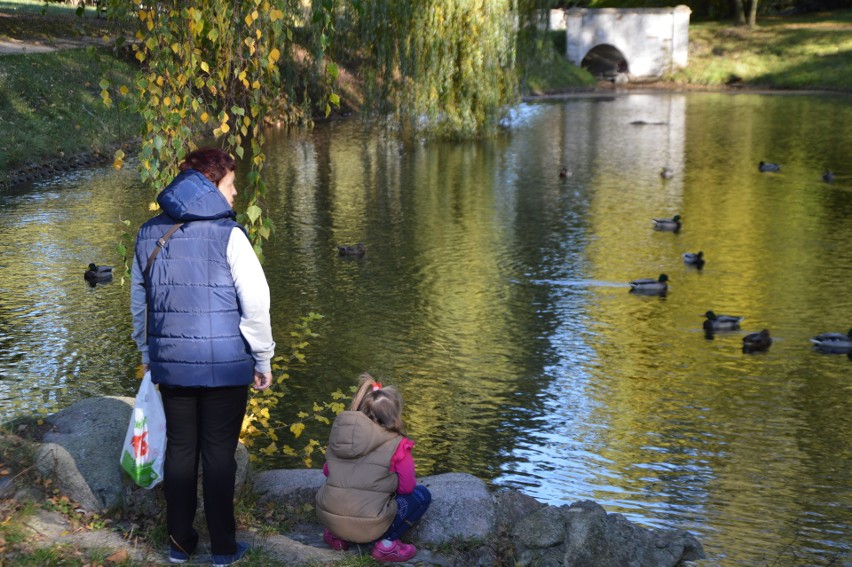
(828, 176)
(767, 166)
(672, 224)
(564, 173)
(756, 342)
(666, 173)
(97, 273)
(357, 250)
(694, 259)
(721, 322)
(650, 285)
(834, 342)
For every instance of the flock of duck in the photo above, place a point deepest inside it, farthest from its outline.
(753, 342)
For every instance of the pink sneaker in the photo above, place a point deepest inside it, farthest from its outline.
(333, 541)
(397, 552)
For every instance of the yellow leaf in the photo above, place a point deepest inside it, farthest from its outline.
(204, 117)
(175, 47)
(118, 163)
(296, 429)
(143, 15)
(274, 55)
(140, 56)
(123, 90)
(153, 206)
(167, 101)
(205, 67)
(150, 25)
(119, 556)
(276, 15)
(265, 413)
(224, 128)
(248, 19)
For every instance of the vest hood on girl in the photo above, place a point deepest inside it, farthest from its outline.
(193, 318)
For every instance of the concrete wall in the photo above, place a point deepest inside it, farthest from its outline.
(652, 40)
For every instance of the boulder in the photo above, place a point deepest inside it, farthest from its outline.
(461, 509)
(584, 534)
(82, 451)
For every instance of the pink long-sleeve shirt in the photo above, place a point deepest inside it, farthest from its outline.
(402, 463)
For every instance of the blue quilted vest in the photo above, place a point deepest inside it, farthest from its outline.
(193, 319)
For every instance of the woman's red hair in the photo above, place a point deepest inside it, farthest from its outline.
(213, 163)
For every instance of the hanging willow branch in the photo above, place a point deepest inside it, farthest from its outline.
(211, 67)
(442, 68)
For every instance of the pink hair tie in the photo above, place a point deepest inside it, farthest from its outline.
(377, 386)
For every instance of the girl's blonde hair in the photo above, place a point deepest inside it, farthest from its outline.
(381, 404)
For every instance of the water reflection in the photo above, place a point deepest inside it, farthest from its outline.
(494, 294)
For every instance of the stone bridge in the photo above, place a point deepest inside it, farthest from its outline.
(628, 44)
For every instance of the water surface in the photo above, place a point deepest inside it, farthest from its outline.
(494, 295)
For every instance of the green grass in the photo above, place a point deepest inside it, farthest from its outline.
(543, 69)
(806, 52)
(32, 20)
(51, 108)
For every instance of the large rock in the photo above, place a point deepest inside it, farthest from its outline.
(584, 534)
(293, 488)
(461, 509)
(82, 454)
(83, 449)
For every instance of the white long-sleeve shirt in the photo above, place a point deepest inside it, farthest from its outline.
(252, 290)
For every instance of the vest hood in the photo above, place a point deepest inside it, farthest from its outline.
(353, 436)
(191, 196)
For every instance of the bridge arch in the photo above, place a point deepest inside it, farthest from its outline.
(633, 43)
(605, 61)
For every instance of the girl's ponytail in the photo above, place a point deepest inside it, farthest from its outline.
(365, 384)
(381, 404)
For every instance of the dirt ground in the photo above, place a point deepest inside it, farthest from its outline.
(22, 46)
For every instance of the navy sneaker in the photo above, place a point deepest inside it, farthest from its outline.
(225, 560)
(177, 556)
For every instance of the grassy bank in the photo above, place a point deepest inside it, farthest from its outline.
(813, 51)
(51, 108)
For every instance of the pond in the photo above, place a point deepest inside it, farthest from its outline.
(494, 294)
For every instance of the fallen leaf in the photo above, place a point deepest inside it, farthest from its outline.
(119, 556)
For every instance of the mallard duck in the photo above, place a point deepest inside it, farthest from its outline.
(564, 173)
(97, 273)
(756, 342)
(828, 176)
(694, 259)
(650, 285)
(721, 322)
(666, 173)
(837, 342)
(672, 224)
(355, 250)
(766, 166)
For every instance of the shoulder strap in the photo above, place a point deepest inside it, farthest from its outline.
(160, 243)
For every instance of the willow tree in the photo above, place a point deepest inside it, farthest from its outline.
(441, 68)
(212, 67)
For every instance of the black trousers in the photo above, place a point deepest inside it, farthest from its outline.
(203, 422)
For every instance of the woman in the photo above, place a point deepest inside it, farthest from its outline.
(200, 310)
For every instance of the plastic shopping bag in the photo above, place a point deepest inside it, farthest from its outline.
(144, 447)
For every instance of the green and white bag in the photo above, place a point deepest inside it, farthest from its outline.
(144, 449)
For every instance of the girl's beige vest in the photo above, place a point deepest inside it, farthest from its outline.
(357, 502)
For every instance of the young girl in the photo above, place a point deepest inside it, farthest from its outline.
(371, 493)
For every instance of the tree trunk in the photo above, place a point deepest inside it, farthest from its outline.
(740, 12)
(752, 15)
